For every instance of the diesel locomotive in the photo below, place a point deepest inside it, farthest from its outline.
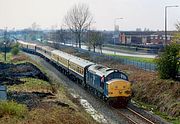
(109, 84)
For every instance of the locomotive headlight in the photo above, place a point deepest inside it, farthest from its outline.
(127, 91)
(110, 92)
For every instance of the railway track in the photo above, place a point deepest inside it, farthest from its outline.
(133, 117)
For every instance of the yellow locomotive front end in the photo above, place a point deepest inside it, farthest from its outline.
(119, 92)
(119, 88)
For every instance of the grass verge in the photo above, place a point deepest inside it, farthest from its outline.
(8, 57)
(138, 59)
(30, 85)
(11, 108)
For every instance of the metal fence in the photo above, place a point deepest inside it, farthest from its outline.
(142, 65)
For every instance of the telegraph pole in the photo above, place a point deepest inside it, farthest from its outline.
(5, 40)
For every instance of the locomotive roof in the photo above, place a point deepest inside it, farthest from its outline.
(101, 70)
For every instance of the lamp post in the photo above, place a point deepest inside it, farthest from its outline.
(166, 7)
(114, 37)
(4, 50)
(5, 39)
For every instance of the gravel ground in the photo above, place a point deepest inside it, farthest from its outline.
(104, 113)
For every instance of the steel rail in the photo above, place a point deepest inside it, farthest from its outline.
(147, 120)
(128, 118)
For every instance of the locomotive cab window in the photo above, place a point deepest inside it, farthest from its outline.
(116, 75)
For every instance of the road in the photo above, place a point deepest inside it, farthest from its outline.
(108, 50)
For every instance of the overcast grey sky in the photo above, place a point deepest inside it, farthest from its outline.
(135, 13)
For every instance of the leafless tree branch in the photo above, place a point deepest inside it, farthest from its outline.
(78, 19)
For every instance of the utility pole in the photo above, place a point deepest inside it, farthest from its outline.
(5, 41)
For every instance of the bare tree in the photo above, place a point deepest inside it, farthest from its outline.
(33, 32)
(101, 41)
(78, 19)
(60, 34)
(95, 39)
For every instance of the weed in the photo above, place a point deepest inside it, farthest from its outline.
(8, 57)
(32, 85)
(12, 108)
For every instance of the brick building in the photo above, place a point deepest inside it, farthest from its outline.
(150, 37)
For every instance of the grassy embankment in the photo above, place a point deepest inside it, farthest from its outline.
(158, 96)
(37, 101)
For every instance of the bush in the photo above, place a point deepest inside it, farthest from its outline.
(167, 63)
(12, 108)
(15, 51)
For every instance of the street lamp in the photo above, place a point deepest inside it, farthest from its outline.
(4, 50)
(166, 7)
(114, 37)
(5, 39)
